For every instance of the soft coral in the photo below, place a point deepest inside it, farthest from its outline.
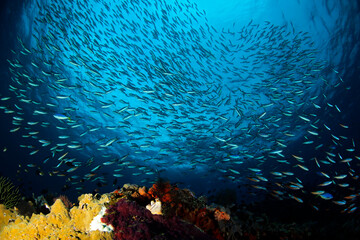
(133, 222)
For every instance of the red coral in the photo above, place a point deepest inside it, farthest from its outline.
(133, 222)
(181, 203)
(163, 191)
(204, 219)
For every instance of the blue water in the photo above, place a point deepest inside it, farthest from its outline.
(253, 96)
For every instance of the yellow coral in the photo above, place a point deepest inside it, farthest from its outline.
(6, 216)
(58, 224)
(87, 210)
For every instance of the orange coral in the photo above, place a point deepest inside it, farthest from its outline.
(142, 191)
(116, 191)
(163, 191)
(135, 195)
(166, 198)
(221, 215)
(204, 221)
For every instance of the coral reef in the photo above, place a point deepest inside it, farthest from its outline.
(133, 222)
(9, 194)
(180, 203)
(60, 223)
(123, 214)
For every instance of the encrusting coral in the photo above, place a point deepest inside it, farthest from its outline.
(60, 223)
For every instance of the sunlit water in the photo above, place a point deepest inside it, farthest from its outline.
(251, 95)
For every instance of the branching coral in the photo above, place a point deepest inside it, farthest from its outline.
(132, 222)
(9, 194)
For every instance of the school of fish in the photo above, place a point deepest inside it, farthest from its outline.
(106, 89)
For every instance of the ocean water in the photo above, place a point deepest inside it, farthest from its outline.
(258, 98)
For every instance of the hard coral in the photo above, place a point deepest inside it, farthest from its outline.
(132, 222)
(59, 223)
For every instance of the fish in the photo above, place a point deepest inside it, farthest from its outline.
(326, 196)
(296, 198)
(108, 97)
(318, 192)
(327, 183)
(302, 167)
(61, 116)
